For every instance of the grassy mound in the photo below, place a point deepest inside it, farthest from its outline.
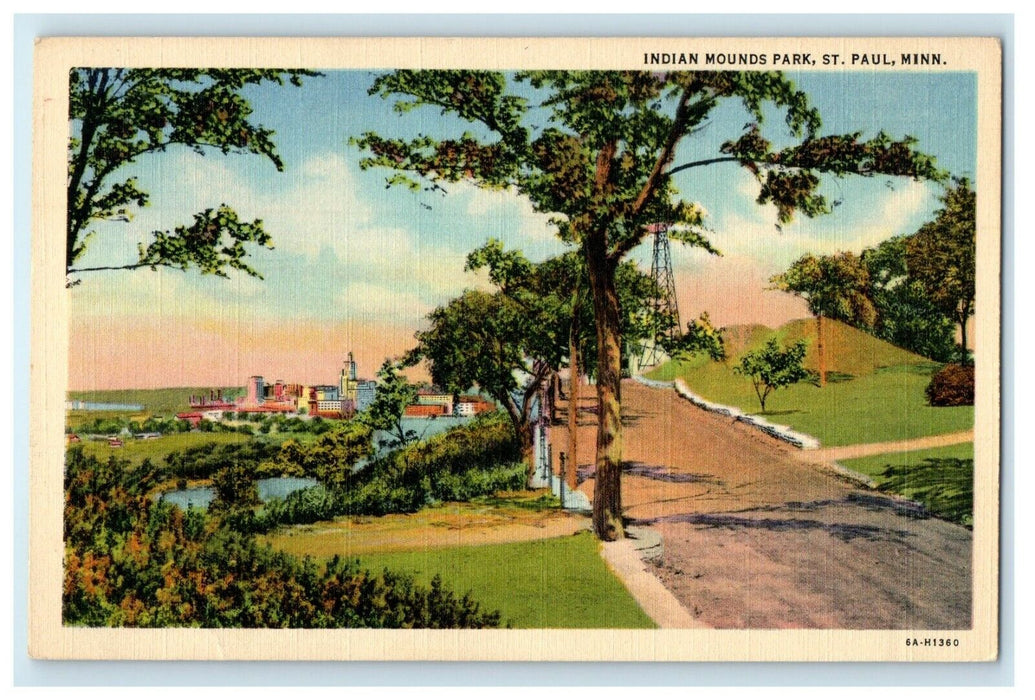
(875, 391)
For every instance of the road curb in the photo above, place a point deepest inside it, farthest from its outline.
(623, 557)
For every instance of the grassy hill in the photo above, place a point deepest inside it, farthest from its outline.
(162, 402)
(875, 391)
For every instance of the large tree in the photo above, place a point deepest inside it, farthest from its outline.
(598, 149)
(555, 292)
(906, 315)
(122, 115)
(834, 286)
(941, 256)
(488, 340)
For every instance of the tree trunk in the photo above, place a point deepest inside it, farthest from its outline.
(555, 395)
(607, 490)
(819, 350)
(526, 435)
(571, 476)
(963, 340)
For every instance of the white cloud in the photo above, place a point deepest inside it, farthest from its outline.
(877, 214)
(506, 210)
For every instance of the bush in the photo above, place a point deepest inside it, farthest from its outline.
(132, 562)
(471, 460)
(953, 385)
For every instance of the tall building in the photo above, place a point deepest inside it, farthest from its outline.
(347, 382)
(256, 393)
(365, 392)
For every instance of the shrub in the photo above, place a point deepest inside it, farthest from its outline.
(471, 460)
(953, 385)
(132, 562)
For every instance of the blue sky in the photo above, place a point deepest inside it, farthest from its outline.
(359, 261)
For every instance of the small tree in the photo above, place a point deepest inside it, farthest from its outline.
(772, 368)
(700, 337)
(906, 314)
(385, 413)
(331, 458)
(235, 487)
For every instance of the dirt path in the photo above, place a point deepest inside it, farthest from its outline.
(757, 535)
(446, 525)
(878, 448)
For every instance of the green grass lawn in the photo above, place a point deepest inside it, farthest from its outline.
(876, 395)
(136, 450)
(559, 582)
(873, 466)
(941, 478)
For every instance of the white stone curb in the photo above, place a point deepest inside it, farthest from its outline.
(655, 600)
(780, 432)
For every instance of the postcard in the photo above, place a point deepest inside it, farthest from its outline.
(644, 349)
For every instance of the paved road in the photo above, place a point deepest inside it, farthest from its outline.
(755, 536)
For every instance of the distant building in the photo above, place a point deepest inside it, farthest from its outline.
(436, 397)
(327, 392)
(256, 391)
(192, 417)
(473, 405)
(366, 389)
(347, 382)
(420, 410)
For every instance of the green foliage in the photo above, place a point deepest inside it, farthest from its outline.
(391, 397)
(555, 298)
(941, 256)
(952, 385)
(132, 562)
(906, 315)
(119, 115)
(772, 368)
(944, 485)
(835, 286)
(604, 157)
(700, 338)
(475, 459)
(203, 461)
(331, 458)
(488, 340)
(235, 488)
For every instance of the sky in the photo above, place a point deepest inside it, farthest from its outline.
(358, 266)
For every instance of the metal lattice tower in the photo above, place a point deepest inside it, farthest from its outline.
(663, 307)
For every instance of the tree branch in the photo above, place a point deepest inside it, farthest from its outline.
(134, 266)
(665, 156)
(700, 163)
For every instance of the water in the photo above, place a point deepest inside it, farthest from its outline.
(281, 487)
(423, 427)
(76, 405)
(202, 496)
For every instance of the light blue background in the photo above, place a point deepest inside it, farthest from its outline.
(33, 672)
